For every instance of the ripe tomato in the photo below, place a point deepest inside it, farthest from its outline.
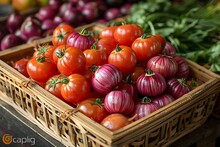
(44, 50)
(21, 66)
(136, 72)
(58, 52)
(161, 39)
(75, 89)
(53, 85)
(88, 72)
(107, 45)
(72, 61)
(61, 33)
(41, 69)
(123, 57)
(126, 34)
(93, 108)
(108, 32)
(146, 47)
(95, 56)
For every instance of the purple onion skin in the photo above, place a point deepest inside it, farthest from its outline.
(90, 11)
(81, 4)
(106, 77)
(164, 65)
(55, 4)
(176, 88)
(169, 49)
(32, 39)
(129, 88)
(47, 24)
(31, 27)
(124, 9)
(64, 7)
(119, 102)
(3, 32)
(183, 68)
(80, 41)
(71, 16)
(151, 84)
(46, 12)
(143, 109)
(9, 41)
(14, 21)
(57, 20)
(163, 99)
(112, 13)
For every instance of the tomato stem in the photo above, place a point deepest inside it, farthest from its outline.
(118, 49)
(98, 102)
(144, 36)
(64, 80)
(128, 79)
(41, 59)
(149, 72)
(146, 100)
(84, 32)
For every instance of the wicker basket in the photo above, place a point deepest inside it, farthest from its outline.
(160, 128)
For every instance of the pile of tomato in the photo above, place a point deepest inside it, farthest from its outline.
(115, 78)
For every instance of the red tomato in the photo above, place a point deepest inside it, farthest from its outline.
(93, 108)
(146, 47)
(123, 57)
(107, 45)
(21, 66)
(72, 61)
(58, 52)
(53, 85)
(136, 72)
(108, 32)
(75, 89)
(44, 50)
(61, 33)
(161, 39)
(88, 72)
(126, 34)
(41, 69)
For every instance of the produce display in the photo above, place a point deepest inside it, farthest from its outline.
(22, 29)
(191, 26)
(113, 84)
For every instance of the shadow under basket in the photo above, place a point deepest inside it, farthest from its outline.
(160, 128)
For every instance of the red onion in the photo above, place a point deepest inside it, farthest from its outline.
(33, 39)
(44, 13)
(151, 83)
(169, 49)
(55, 4)
(71, 16)
(144, 108)
(177, 87)
(105, 78)
(81, 4)
(124, 9)
(9, 41)
(128, 87)
(183, 67)
(14, 21)
(119, 102)
(57, 20)
(3, 31)
(112, 13)
(31, 27)
(90, 11)
(64, 7)
(47, 24)
(80, 40)
(163, 99)
(165, 65)
(48, 33)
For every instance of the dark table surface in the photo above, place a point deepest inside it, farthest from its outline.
(12, 123)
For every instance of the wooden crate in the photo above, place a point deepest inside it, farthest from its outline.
(160, 128)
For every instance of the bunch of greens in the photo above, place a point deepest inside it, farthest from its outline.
(192, 27)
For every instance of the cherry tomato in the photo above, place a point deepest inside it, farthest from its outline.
(126, 34)
(21, 66)
(61, 33)
(53, 85)
(108, 32)
(75, 88)
(123, 57)
(45, 50)
(146, 47)
(93, 108)
(41, 69)
(107, 45)
(72, 61)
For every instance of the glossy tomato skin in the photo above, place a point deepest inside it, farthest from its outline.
(146, 47)
(44, 50)
(41, 69)
(72, 61)
(123, 57)
(126, 34)
(76, 89)
(58, 52)
(95, 57)
(53, 85)
(61, 33)
(136, 72)
(108, 32)
(106, 44)
(93, 108)
(21, 66)
(161, 39)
